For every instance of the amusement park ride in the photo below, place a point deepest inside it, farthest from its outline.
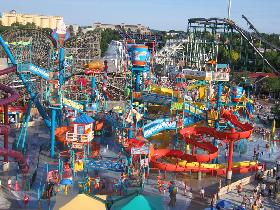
(171, 126)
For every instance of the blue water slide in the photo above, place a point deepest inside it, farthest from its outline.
(29, 67)
(153, 123)
(160, 125)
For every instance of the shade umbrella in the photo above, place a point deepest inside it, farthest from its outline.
(224, 204)
(66, 182)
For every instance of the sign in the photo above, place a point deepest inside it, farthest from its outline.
(140, 151)
(72, 104)
(77, 145)
(144, 162)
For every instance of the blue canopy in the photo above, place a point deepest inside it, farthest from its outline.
(66, 182)
(83, 119)
(224, 204)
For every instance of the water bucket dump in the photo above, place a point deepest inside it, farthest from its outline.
(236, 93)
(140, 55)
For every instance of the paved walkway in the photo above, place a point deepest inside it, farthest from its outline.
(269, 203)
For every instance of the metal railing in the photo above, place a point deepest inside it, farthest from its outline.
(83, 138)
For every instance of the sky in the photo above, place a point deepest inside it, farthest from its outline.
(157, 14)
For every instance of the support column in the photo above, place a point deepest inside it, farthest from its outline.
(137, 85)
(93, 86)
(130, 132)
(230, 154)
(219, 94)
(199, 174)
(6, 134)
(52, 152)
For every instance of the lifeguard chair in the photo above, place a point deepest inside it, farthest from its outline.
(83, 130)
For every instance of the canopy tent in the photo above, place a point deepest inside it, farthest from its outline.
(84, 202)
(139, 202)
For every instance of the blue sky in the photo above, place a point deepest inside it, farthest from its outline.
(158, 14)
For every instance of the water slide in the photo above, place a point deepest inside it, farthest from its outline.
(163, 124)
(43, 73)
(245, 131)
(4, 129)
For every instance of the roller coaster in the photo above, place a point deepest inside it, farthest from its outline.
(205, 37)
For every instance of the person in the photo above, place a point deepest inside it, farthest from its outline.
(214, 200)
(239, 189)
(172, 194)
(220, 183)
(25, 200)
(263, 186)
(9, 183)
(245, 200)
(270, 189)
(185, 187)
(255, 206)
(251, 201)
(202, 192)
(261, 207)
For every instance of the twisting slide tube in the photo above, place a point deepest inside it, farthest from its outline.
(12, 95)
(189, 135)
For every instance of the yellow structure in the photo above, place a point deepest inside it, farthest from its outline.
(41, 21)
(217, 166)
(83, 202)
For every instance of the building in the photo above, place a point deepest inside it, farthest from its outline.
(139, 28)
(41, 21)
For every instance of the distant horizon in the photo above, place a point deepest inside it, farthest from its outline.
(163, 15)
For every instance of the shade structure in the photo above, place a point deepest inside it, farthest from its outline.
(224, 204)
(84, 202)
(139, 202)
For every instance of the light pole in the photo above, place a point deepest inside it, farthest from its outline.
(229, 8)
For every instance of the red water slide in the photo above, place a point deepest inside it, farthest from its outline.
(189, 134)
(11, 96)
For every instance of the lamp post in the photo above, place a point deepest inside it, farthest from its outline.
(229, 8)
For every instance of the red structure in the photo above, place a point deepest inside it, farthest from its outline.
(11, 96)
(189, 133)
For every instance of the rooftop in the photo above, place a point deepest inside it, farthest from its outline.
(83, 119)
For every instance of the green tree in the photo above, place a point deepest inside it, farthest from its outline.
(71, 31)
(106, 37)
(80, 31)
(234, 56)
(270, 85)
